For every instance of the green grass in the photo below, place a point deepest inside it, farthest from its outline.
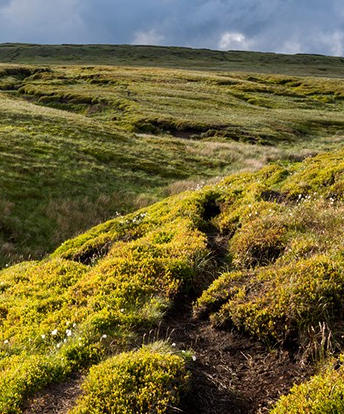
(140, 382)
(61, 314)
(97, 293)
(80, 144)
(322, 394)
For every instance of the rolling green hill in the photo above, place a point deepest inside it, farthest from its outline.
(81, 144)
(176, 220)
(171, 57)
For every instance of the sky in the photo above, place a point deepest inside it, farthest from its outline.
(285, 26)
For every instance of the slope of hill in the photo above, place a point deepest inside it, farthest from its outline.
(81, 144)
(259, 254)
(171, 57)
(217, 299)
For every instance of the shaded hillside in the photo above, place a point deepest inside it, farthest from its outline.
(79, 145)
(172, 57)
(258, 255)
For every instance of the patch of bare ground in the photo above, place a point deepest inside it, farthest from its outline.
(57, 398)
(232, 374)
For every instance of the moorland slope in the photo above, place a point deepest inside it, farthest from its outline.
(217, 299)
(171, 57)
(81, 144)
(258, 253)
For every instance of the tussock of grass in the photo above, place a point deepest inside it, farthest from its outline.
(286, 260)
(72, 313)
(323, 394)
(136, 382)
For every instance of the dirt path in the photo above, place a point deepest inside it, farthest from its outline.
(232, 374)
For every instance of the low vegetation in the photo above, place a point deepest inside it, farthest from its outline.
(172, 57)
(140, 382)
(82, 144)
(322, 394)
(98, 292)
(258, 253)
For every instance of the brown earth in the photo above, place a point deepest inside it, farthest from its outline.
(232, 374)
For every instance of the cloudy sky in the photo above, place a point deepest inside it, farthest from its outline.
(288, 26)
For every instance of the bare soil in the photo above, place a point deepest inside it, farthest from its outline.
(232, 374)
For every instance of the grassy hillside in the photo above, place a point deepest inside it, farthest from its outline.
(148, 282)
(82, 144)
(172, 57)
(261, 253)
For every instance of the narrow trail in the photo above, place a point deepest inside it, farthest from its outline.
(232, 374)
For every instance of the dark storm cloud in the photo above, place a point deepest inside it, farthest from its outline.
(314, 26)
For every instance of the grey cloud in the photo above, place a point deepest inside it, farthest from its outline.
(313, 26)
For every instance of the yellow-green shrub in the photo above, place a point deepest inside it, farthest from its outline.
(138, 382)
(322, 174)
(218, 293)
(258, 242)
(21, 376)
(323, 394)
(283, 303)
(81, 312)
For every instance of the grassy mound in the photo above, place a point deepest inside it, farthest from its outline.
(59, 315)
(136, 382)
(323, 394)
(286, 260)
(280, 303)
